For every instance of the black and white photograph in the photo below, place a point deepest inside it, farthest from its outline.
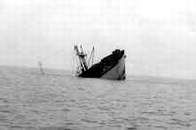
(97, 65)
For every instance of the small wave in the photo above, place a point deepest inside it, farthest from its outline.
(179, 122)
(54, 128)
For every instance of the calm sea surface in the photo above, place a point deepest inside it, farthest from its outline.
(31, 101)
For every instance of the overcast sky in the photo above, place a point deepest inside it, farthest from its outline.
(159, 36)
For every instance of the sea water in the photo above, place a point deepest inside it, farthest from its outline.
(60, 101)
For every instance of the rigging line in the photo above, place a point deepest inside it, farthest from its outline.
(41, 61)
(41, 67)
(73, 63)
(51, 55)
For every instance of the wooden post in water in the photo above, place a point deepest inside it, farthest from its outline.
(41, 68)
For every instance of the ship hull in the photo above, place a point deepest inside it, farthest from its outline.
(117, 72)
(110, 67)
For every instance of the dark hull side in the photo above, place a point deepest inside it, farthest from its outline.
(110, 67)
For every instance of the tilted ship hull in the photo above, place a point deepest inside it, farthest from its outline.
(110, 67)
(117, 72)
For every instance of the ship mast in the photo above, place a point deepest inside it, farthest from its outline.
(91, 57)
(41, 68)
(82, 58)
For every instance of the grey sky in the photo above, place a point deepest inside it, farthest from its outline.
(159, 36)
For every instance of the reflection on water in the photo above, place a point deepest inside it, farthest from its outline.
(30, 101)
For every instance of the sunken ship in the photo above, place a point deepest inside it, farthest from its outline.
(110, 67)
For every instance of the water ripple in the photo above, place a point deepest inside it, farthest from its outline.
(30, 101)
